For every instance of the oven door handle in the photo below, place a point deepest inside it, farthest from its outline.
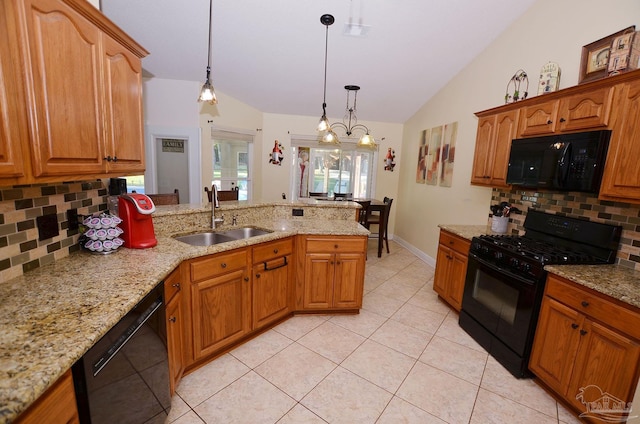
(507, 272)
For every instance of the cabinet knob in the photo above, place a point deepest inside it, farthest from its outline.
(584, 303)
(172, 319)
(275, 250)
(335, 246)
(574, 325)
(107, 158)
(338, 263)
(563, 120)
(583, 332)
(247, 278)
(176, 285)
(223, 265)
(549, 122)
(115, 158)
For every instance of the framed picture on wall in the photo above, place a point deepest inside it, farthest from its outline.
(595, 57)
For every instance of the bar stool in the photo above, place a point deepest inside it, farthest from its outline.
(382, 221)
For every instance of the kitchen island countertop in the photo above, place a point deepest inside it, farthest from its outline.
(52, 315)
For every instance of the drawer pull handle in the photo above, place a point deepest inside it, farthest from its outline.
(451, 242)
(584, 303)
(583, 332)
(176, 285)
(223, 265)
(172, 319)
(574, 325)
(266, 267)
(275, 250)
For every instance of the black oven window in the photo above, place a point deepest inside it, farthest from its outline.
(496, 296)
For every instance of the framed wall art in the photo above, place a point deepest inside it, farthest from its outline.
(595, 57)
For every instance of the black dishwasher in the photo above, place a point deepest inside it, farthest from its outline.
(124, 377)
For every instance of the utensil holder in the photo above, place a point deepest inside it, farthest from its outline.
(499, 224)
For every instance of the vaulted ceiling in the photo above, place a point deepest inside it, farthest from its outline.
(270, 53)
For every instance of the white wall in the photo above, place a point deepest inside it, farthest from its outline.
(549, 31)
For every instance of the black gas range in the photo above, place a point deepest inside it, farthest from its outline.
(506, 276)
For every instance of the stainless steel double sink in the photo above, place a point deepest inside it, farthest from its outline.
(208, 238)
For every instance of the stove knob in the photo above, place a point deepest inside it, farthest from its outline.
(497, 255)
(515, 262)
(526, 267)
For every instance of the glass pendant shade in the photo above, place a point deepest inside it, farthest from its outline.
(207, 94)
(323, 125)
(367, 141)
(330, 137)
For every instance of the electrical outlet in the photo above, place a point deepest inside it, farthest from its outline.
(72, 219)
(297, 212)
(47, 226)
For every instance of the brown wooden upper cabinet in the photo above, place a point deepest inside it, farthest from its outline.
(580, 111)
(80, 90)
(493, 145)
(611, 103)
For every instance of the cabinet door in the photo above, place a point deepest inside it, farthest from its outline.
(607, 360)
(555, 345)
(538, 119)
(319, 270)
(123, 96)
(175, 340)
(621, 178)
(349, 275)
(457, 275)
(443, 270)
(481, 172)
(271, 291)
(585, 111)
(56, 406)
(13, 125)
(506, 127)
(221, 311)
(64, 55)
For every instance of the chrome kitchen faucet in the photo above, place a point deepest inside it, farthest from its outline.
(215, 203)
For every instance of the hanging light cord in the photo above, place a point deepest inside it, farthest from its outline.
(209, 56)
(326, 49)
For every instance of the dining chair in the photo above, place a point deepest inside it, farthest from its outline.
(224, 195)
(318, 194)
(342, 195)
(382, 221)
(166, 198)
(362, 215)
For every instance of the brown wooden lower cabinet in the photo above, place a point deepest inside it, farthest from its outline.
(585, 345)
(175, 316)
(56, 406)
(333, 274)
(451, 268)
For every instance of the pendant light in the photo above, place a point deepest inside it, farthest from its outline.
(327, 134)
(207, 94)
(350, 124)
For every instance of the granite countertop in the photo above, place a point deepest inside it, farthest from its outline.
(612, 280)
(52, 315)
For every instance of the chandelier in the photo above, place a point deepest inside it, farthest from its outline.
(350, 121)
(207, 94)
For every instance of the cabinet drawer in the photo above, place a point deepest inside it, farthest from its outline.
(172, 285)
(274, 249)
(594, 306)
(218, 265)
(352, 244)
(454, 242)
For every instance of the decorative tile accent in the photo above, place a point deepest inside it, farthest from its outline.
(19, 208)
(582, 206)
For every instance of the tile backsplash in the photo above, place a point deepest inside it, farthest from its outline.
(20, 206)
(581, 206)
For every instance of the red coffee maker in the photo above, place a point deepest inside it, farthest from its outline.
(137, 225)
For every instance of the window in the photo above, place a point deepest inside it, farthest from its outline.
(231, 163)
(329, 170)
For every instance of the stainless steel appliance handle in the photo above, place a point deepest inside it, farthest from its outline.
(125, 336)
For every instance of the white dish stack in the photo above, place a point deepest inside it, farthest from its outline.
(102, 234)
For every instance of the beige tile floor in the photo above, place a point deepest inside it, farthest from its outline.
(403, 359)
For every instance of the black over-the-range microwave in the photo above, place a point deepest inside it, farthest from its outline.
(564, 162)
